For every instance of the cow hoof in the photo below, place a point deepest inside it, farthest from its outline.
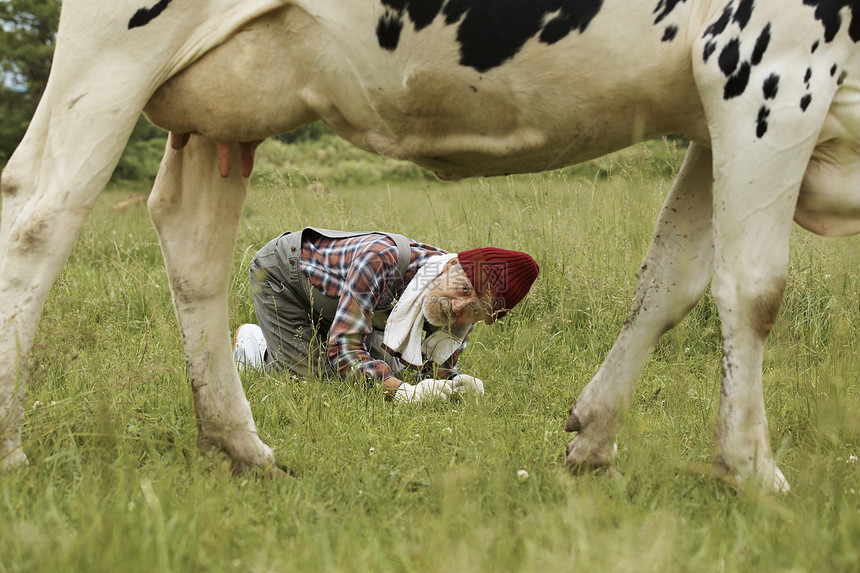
(580, 469)
(778, 483)
(13, 461)
(582, 456)
(275, 472)
(243, 454)
(572, 424)
(259, 458)
(770, 481)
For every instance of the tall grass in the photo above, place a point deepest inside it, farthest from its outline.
(116, 482)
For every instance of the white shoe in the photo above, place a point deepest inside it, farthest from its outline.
(249, 347)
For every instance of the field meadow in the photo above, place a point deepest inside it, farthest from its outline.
(116, 482)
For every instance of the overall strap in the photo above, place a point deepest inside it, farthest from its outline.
(404, 255)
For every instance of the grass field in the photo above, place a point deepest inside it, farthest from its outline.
(116, 482)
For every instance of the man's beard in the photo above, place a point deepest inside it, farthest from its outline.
(434, 313)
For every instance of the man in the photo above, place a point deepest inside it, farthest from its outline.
(325, 303)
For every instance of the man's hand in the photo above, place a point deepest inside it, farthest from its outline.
(465, 384)
(424, 390)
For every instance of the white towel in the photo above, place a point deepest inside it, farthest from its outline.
(405, 325)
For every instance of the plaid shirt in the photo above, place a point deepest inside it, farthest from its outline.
(359, 273)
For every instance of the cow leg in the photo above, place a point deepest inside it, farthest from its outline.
(761, 147)
(755, 194)
(101, 77)
(48, 188)
(673, 278)
(754, 200)
(196, 213)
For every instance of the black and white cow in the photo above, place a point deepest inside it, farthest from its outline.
(768, 91)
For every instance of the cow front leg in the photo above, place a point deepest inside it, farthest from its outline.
(673, 278)
(48, 189)
(196, 213)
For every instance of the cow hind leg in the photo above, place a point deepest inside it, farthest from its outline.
(752, 228)
(762, 141)
(196, 213)
(754, 196)
(673, 278)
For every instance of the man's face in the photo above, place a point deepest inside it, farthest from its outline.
(452, 300)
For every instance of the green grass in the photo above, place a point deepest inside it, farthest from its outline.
(116, 481)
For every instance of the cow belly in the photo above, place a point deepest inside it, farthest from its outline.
(538, 111)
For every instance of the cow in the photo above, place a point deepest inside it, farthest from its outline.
(767, 92)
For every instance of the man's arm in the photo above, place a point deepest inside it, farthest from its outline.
(366, 280)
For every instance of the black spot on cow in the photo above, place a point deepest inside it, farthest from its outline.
(146, 15)
(805, 101)
(730, 56)
(710, 48)
(719, 26)
(807, 76)
(454, 12)
(761, 45)
(729, 61)
(388, 31)
(670, 33)
(664, 8)
(815, 46)
(761, 121)
(421, 13)
(573, 16)
(737, 83)
(829, 13)
(743, 13)
(833, 70)
(424, 12)
(489, 33)
(770, 86)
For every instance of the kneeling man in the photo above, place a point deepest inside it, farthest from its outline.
(371, 305)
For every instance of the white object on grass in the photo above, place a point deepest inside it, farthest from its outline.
(424, 390)
(463, 383)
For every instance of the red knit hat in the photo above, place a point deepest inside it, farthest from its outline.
(508, 274)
